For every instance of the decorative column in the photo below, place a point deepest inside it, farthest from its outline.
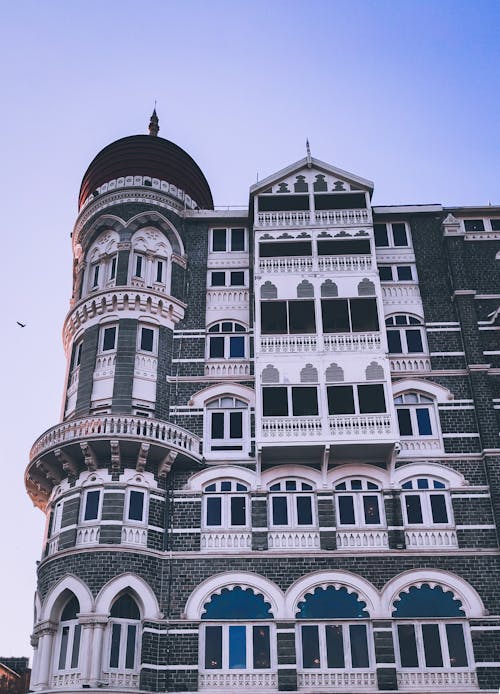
(100, 623)
(46, 633)
(85, 657)
(287, 660)
(384, 656)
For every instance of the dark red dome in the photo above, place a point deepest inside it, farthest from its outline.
(147, 155)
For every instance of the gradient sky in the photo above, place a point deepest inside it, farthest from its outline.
(404, 93)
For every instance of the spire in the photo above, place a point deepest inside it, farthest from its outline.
(308, 153)
(153, 123)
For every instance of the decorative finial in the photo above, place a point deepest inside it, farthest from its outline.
(308, 153)
(153, 123)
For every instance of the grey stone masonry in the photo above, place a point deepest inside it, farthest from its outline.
(87, 365)
(326, 519)
(394, 519)
(122, 268)
(165, 339)
(112, 506)
(124, 368)
(259, 520)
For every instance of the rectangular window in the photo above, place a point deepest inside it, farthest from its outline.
(275, 402)
(394, 342)
(218, 279)
(335, 315)
(92, 506)
(304, 510)
(404, 421)
(340, 400)
(385, 273)
(138, 266)
(95, 276)
(237, 647)
(159, 271)
(413, 509)
(346, 510)
(285, 249)
(112, 270)
(114, 657)
(237, 239)
(216, 350)
(371, 398)
(109, 339)
(310, 647)
(213, 648)
(305, 401)
(474, 225)
(280, 510)
(235, 425)
(404, 273)
(147, 336)
(238, 510)
(301, 317)
(424, 421)
(214, 510)
(432, 645)
(414, 341)
(359, 646)
(130, 648)
(495, 224)
(217, 425)
(237, 278)
(136, 506)
(75, 651)
(273, 317)
(364, 317)
(456, 645)
(399, 234)
(438, 508)
(64, 648)
(237, 347)
(407, 645)
(381, 237)
(335, 657)
(261, 648)
(218, 239)
(371, 510)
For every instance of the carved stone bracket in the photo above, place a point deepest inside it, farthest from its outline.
(166, 464)
(115, 455)
(142, 457)
(90, 456)
(68, 464)
(49, 471)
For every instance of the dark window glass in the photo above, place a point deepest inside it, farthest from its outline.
(125, 608)
(364, 315)
(301, 317)
(424, 422)
(237, 239)
(214, 510)
(219, 240)
(283, 249)
(359, 646)
(304, 510)
(109, 339)
(235, 425)
(334, 646)
(213, 648)
(115, 645)
(422, 483)
(399, 234)
(225, 486)
(64, 648)
(147, 339)
(280, 510)
(275, 402)
(404, 273)
(356, 484)
(261, 648)
(413, 509)
(290, 485)
(136, 506)
(407, 645)
(138, 266)
(130, 649)
(438, 508)
(432, 645)
(456, 645)
(75, 652)
(414, 341)
(159, 271)
(273, 203)
(343, 247)
(340, 201)
(346, 510)
(92, 505)
(340, 400)
(474, 225)
(218, 279)
(237, 279)
(310, 647)
(404, 421)
(96, 276)
(335, 315)
(371, 398)
(217, 425)
(371, 509)
(273, 317)
(112, 271)
(78, 355)
(385, 273)
(394, 342)
(495, 224)
(236, 347)
(216, 348)
(238, 507)
(381, 238)
(237, 647)
(305, 401)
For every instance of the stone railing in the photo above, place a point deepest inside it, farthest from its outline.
(416, 446)
(52, 545)
(118, 426)
(73, 381)
(286, 264)
(237, 680)
(88, 535)
(354, 425)
(134, 536)
(352, 681)
(324, 263)
(66, 680)
(344, 263)
(430, 539)
(227, 368)
(352, 342)
(278, 344)
(362, 539)
(308, 218)
(226, 540)
(117, 679)
(400, 290)
(227, 297)
(293, 539)
(105, 365)
(410, 364)
(451, 680)
(285, 427)
(146, 366)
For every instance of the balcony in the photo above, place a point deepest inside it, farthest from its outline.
(135, 536)
(293, 539)
(450, 680)
(352, 342)
(231, 681)
(323, 263)
(66, 680)
(349, 426)
(431, 539)
(292, 427)
(88, 535)
(307, 218)
(286, 344)
(327, 342)
(362, 539)
(420, 446)
(118, 679)
(338, 681)
(222, 541)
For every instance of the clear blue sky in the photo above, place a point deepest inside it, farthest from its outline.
(404, 93)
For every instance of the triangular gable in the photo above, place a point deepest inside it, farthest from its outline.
(311, 176)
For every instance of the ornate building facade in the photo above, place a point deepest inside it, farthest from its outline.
(278, 465)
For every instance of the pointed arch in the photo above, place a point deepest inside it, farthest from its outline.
(58, 596)
(158, 221)
(141, 591)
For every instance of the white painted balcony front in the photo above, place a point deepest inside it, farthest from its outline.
(88, 535)
(327, 342)
(287, 344)
(231, 681)
(293, 539)
(308, 218)
(228, 297)
(118, 679)
(66, 680)
(360, 425)
(400, 290)
(132, 535)
(431, 539)
(292, 427)
(420, 446)
(334, 263)
(52, 545)
(146, 366)
(350, 681)
(234, 541)
(362, 539)
(105, 365)
(227, 368)
(352, 342)
(450, 680)
(416, 364)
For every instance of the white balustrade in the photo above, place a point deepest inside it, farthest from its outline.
(227, 369)
(415, 446)
(341, 217)
(410, 364)
(400, 290)
(362, 539)
(227, 298)
(437, 679)
(289, 427)
(277, 344)
(283, 219)
(73, 381)
(306, 218)
(146, 366)
(352, 342)
(344, 263)
(238, 680)
(88, 535)
(429, 539)
(293, 539)
(354, 425)
(134, 536)
(66, 679)
(52, 546)
(105, 365)
(288, 264)
(337, 680)
(118, 679)
(226, 540)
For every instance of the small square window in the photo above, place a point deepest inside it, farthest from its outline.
(237, 239)
(495, 224)
(218, 279)
(147, 337)
(385, 273)
(219, 240)
(474, 225)
(109, 339)
(404, 273)
(381, 237)
(237, 279)
(399, 234)
(216, 348)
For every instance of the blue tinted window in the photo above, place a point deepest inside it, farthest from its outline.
(237, 647)
(424, 422)
(237, 604)
(427, 602)
(331, 602)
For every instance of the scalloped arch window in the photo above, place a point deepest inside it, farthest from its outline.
(237, 603)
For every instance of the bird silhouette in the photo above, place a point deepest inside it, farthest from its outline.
(22, 325)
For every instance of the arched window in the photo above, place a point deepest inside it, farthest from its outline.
(237, 646)
(227, 425)
(123, 633)
(405, 335)
(291, 504)
(69, 635)
(341, 640)
(416, 415)
(359, 503)
(426, 502)
(225, 505)
(227, 340)
(431, 633)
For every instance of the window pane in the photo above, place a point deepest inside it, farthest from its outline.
(340, 400)
(385, 273)
(364, 315)
(438, 508)
(432, 645)
(130, 649)
(237, 279)
(413, 508)
(217, 425)
(109, 339)
(214, 511)
(237, 347)
(404, 272)
(237, 648)
(301, 317)
(219, 240)
(138, 266)
(394, 342)
(275, 402)
(213, 648)
(424, 422)
(261, 648)
(335, 315)
(216, 348)
(407, 645)
(75, 652)
(159, 271)
(381, 238)
(273, 317)
(237, 239)
(399, 234)
(310, 647)
(115, 645)
(95, 282)
(334, 646)
(64, 648)
(305, 401)
(371, 509)
(280, 510)
(112, 270)
(136, 506)
(235, 425)
(304, 510)
(456, 645)
(414, 341)
(404, 421)
(91, 506)
(371, 398)
(218, 279)
(147, 339)
(359, 645)
(474, 225)
(238, 506)
(346, 510)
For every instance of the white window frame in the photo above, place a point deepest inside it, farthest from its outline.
(441, 622)
(145, 507)
(154, 330)
(238, 451)
(291, 504)
(345, 624)
(228, 231)
(89, 521)
(55, 525)
(394, 272)
(227, 279)
(227, 340)
(225, 497)
(249, 625)
(425, 503)
(354, 387)
(289, 396)
(429, 404)
(402, 328)
(123, 623)
(102, 332)
(358, 497)
(390, 235)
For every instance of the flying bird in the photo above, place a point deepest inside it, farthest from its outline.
(22, 325)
